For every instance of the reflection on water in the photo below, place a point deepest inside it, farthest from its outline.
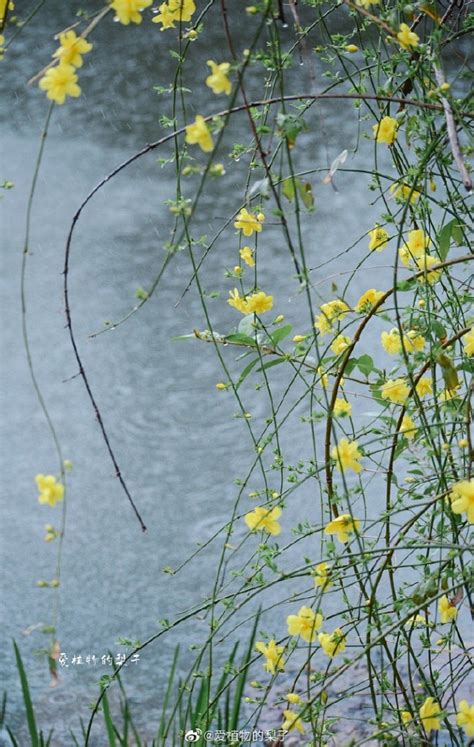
(176, 439)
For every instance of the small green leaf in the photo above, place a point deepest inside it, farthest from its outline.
(242, 339)
(246, 372)
(270, 364)
(406, 285)
(365, 365)
(280, 334)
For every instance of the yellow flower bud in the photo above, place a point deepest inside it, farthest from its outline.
(351, 48)
(221, 386)
(463, 443)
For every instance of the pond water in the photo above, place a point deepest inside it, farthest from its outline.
(177, 441)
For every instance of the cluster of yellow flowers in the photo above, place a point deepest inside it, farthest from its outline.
(174, 11)
(414, 254)
(60, 81)
(331, 312)
(413, 342)
(430, 713)
(254, 303)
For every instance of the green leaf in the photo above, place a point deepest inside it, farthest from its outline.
(406, 285)
(444, 239)
(451, 231)
(365, 365)
(304, 189)
(108, 721)
(242, 339)
(246, 372)
(270, 364)
(30, 714)
(280, 334)
(350, 365)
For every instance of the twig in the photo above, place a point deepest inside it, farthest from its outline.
(452, 131)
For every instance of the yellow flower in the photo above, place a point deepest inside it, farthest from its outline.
(292, 721)
(340, 343)
(408, 427)
(72, 48)
(335, 310)
(367, 3)
(199, 133)
(405, 716)
(183, 9)
(468, 342)
(59, 82)
(128, 11)
(321, 576)
(218, 80)
(342, 407)
(166, 17)
(333, 643)
(246, 254)
(462, 499)
(391, 341)
(424, 264)
(260, 302)
(330, 312)
(346, 453)
(465, 717)
(429, 712)
(264, 519)
(237, 301)
(403, 192)
(415, 248)
(463, 443)
(50, 491)
(293, 698)
(273, 656)
(407, 38)
(385, 131)
(424, 387)
(395, 390)
(257, 303)
(305, 623)
(378, 239)
(342, 527)
(414, 342)
(248, 223)
(368, 300)
(416, 620)
(323, 377)
(447, 611)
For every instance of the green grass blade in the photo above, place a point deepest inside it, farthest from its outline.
(239, 689)
(12, 737)
(108, 722)
(30, 714)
